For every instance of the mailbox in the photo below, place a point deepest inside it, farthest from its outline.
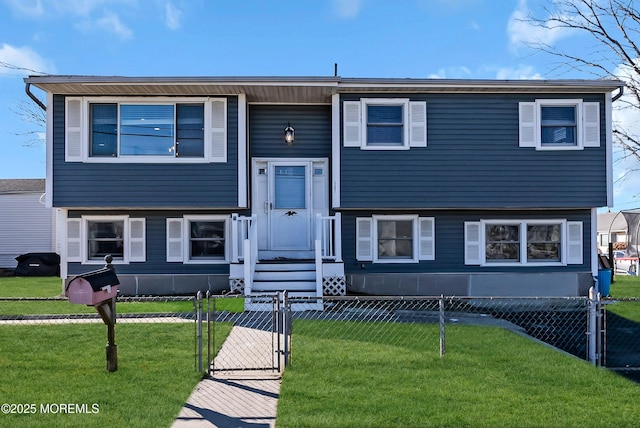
(99, 289)
(93, 288)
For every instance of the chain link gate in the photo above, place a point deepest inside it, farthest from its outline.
(247, 341)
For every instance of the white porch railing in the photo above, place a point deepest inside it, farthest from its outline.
(240, 230)
(329, 233)
(244, 246)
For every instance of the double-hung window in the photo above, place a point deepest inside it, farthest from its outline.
(395, 238)
(559, 124)
(197, 239)
(91, 238)
(385, 124)
(523, 242)
(145, 130)
(105, 237)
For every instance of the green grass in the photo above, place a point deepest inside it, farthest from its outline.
(489, 377)
(625, 286)
(54, 364)
(50, 287)
(30, 286)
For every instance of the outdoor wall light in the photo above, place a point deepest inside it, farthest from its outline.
(289, 134)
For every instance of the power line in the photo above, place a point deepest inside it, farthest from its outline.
(17, 67)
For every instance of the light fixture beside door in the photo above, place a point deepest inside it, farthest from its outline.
(289, 134)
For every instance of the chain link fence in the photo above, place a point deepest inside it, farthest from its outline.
(621, 336)
(228, 336)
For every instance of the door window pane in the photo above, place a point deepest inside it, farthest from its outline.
(290, 187)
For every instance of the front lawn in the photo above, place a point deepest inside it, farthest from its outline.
(50, 288)
(46, 366)
(489, 377)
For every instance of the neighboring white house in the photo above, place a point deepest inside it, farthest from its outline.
(25, 221)
(612, 227)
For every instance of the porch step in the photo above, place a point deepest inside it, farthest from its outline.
(289, 276)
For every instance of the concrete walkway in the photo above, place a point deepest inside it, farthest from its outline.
(234, 397)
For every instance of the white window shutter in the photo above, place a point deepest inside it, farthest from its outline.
(174, 240)
(418, 124)
(574, 243)
(73, 139)
(472, 243)
(591, 124)
(364, 239)
(352, 125)
(217, 132)
(426, 233)
(74, 240)
(527, 124)
(137, 244)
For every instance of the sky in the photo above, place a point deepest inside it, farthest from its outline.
(453, 39)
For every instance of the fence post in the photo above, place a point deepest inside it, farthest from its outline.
(199, 327)
(209, 332)
(442, 342)
(592, 333)
(601, 329)
(286, 327)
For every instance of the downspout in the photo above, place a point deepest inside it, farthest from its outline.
(619, 94)
(33, 97)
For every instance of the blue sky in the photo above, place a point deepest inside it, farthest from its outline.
(471, 39)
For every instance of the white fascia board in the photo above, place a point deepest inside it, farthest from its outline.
(609, 147)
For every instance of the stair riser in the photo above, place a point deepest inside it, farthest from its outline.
(285, 276)
(286, 267)
(281, 286)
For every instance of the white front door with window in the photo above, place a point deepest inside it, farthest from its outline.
(287, 195)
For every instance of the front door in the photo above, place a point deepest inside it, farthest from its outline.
(287, 195)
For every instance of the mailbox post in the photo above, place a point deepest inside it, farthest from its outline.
(99, 289)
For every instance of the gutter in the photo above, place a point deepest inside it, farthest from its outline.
(33, 97)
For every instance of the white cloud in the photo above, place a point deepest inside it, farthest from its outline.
(346, 9)
(626, 116)
(522, 32)
(525, 72)
(32, 8)
(111, 23)
(83, 12)
(173, 15)
(24, 60)
(457, 72)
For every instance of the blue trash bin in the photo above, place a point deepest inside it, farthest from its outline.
(604, 281)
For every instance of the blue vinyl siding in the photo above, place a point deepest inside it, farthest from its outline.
(312, 124)
(145, 184)
(473, 161)
(449, 237)
(156, 246)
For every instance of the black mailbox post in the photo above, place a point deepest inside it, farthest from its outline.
(99, 289)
